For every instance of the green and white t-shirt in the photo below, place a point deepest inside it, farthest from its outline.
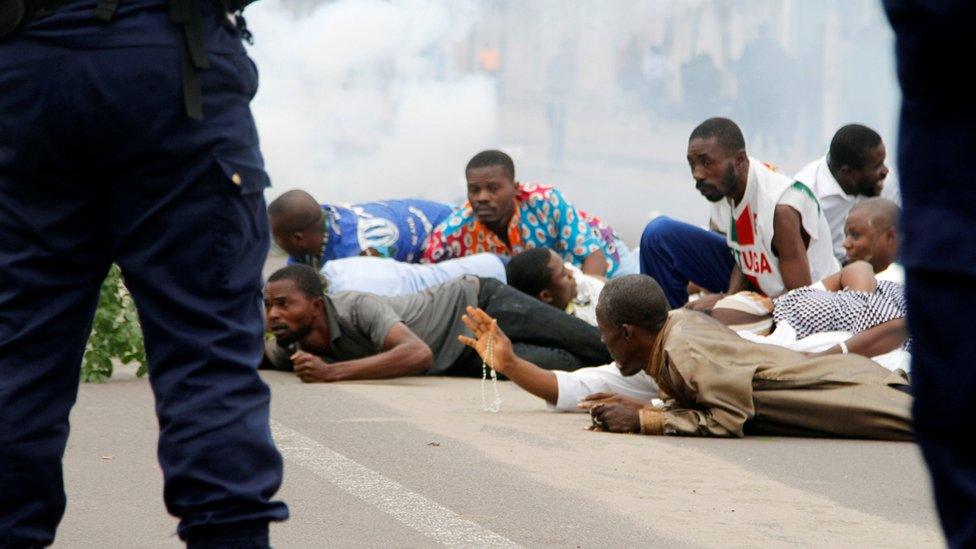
(748, 228)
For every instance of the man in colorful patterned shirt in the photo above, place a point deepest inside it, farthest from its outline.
(505, 217)
(313, 234)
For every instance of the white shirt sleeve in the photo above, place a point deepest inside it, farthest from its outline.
(574, 386)
(808, 206)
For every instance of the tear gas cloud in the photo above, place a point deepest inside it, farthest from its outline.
(367, 99)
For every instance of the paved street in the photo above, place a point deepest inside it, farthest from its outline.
(416, 462)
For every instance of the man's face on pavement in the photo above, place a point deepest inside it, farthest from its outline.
(869, 180)
(491, 192)
(288, 311)
(623, 347)
(716, 173)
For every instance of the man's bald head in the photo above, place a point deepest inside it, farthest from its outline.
(294, 210)
(633, 299)
(871, 232)
(630, 312)
(296, 223)
(880, 212)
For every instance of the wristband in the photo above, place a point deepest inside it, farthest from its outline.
(843, 347)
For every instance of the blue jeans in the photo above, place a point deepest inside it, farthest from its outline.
(675, 253)
(98, 164)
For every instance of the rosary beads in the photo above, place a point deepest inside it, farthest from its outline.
(486, 365)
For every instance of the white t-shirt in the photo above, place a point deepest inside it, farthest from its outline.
(894, 273)
(835, 202)
(386, 276)
(748, 228)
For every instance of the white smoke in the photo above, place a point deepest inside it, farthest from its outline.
(370, 99)
(359, 99)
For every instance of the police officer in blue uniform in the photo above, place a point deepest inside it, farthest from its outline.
(126, 136)
(937, 139)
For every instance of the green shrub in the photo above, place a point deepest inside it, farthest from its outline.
(116, 334)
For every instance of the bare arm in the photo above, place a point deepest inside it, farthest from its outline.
(874, 341)
(789, 246)
(404, 354)
(535, 380)
(738, 281)
(858, 276)
(595, 264)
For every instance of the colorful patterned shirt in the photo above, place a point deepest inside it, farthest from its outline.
(543, 218)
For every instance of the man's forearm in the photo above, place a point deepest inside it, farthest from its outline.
(400, 361)
(875, 341)
(539, 382)
(738, 281)
(790, 245)
(796, 273)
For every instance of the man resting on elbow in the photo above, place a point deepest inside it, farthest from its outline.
(357, 335)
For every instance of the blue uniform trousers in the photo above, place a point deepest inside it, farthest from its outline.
(935, 147)
(675, 253)
(100, 163)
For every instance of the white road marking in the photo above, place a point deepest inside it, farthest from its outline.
(410, 508)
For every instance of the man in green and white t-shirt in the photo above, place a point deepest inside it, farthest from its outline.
(774, 226)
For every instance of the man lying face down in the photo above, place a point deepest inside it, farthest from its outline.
(719, 384)
(356, 335)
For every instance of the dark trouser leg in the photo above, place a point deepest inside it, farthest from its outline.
(51, 271)
(528, 320)
(675, 253)
(548, 358)
(52, 261)
(119, 171)
(940, 309)
(192, 237)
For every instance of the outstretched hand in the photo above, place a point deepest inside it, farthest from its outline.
(482, 325)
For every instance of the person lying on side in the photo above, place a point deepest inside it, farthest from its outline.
(542, 274)
(357, 335)
(719, 384)
(852, 300)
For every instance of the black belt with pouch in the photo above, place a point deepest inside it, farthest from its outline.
(14, 13)
(185, 13)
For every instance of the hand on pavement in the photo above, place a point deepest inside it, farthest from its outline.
(310, 368)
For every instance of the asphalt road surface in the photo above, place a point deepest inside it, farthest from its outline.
(417, 462)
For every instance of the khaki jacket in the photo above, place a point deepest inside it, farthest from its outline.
(719, 384)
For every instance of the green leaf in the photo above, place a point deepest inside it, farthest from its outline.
(116, 333)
